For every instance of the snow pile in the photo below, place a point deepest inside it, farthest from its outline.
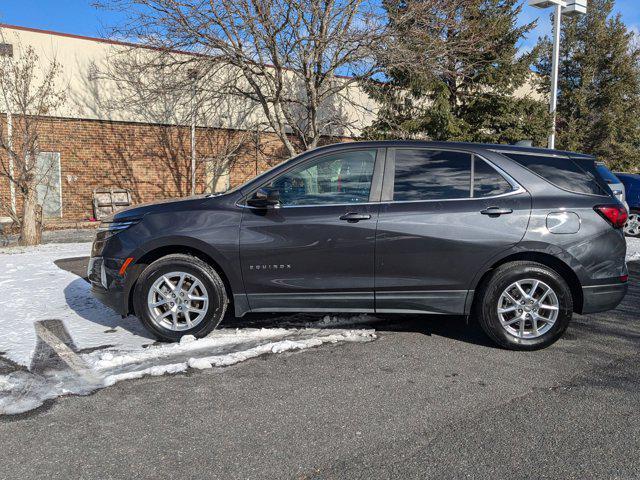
(21, 390)
(633, 249)
(223, 357)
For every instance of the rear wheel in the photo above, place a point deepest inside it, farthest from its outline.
(632, 227)
(524, 306)
(180, 295)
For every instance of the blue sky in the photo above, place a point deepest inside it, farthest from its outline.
(79, 17)
(630, 10)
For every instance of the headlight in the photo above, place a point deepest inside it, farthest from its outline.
(112, 228)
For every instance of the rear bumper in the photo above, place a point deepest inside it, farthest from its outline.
(600, 298)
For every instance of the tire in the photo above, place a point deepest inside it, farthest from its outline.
(632, 227)
(504, 324)
(169, 315)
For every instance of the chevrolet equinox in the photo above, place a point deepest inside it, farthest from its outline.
(518, 238)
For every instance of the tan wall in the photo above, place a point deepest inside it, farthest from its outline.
(94, 92)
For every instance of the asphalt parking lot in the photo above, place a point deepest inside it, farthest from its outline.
(431, 398)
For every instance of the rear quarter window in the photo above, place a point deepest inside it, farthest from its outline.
(606, 174)
(563, 172)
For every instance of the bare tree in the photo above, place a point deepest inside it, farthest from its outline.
(29, 90)
(284, 56)
(158, 89)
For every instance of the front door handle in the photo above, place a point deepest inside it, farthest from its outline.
(353, 217)
(496, 211)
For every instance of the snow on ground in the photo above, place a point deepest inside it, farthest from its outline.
(108, 348)
(633, 249)
(34, 288)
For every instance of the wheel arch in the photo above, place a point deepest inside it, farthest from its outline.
(158, 252)
(551, 261)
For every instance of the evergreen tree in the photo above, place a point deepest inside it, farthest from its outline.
(599, 86)
(450, 73)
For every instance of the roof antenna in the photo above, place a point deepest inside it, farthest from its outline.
(524, 143)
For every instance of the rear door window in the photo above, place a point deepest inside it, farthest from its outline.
(431, 175)
(487, 182)
(563, 172)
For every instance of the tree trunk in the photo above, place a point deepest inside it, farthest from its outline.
(30, 228)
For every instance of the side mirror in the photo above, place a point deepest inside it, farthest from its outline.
(264, 198)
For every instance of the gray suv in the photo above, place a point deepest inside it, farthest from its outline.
(516, 238)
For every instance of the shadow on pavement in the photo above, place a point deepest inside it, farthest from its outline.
(452, 327)
(79, 299)
(445, 326)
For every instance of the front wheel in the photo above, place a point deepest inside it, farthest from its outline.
(632, 227)
(524, 306)
(180, 295)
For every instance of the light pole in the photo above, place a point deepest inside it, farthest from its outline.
(569, 8)
(193, 76)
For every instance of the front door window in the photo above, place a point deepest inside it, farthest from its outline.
(342, 178)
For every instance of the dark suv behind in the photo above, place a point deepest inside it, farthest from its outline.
(517, 238)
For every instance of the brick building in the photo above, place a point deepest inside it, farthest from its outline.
(90, 144)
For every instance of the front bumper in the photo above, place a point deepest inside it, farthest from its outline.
(600, 298)
(107, 285)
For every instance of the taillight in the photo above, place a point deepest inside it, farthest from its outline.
(616, 215)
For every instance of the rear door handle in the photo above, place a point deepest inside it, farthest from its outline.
(355, 217)
(496, 211)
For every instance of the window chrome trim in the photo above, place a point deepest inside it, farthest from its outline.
(390, 152)
(282, 207)
(502, 195)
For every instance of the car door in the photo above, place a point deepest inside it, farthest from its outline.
(315, 250)
(443, 215)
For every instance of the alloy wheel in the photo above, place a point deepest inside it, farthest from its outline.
(632, 227)
(177, 301)
(528, 308)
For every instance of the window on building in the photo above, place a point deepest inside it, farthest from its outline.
(6, 50)
(49, 184)
(218, 176)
